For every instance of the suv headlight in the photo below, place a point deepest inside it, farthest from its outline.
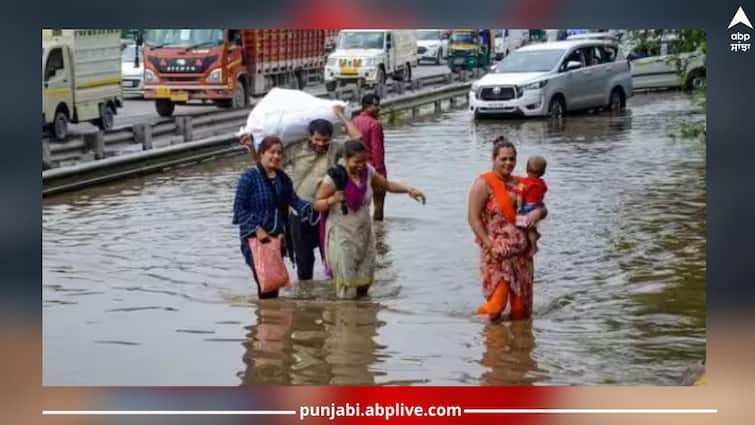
(149, 76)
(535, 86)
(215, 76)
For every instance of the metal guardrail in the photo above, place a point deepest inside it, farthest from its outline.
(92, 173)
(185, 128)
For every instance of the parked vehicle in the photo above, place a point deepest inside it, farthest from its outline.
(132, 70)
(81, 78)
(665, 64)
(508, 40)
(554, 78)
(369, 57)
(607, 36)
(469, 49)
(226, 66)
(431, 46)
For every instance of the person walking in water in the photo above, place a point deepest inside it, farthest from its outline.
(263, 197)
(372, 135)
(349, 239)
(307, 164)
(506, 265)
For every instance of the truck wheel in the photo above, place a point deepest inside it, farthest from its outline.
(331, 85)
(60, 126)
(438, 57)
(380, 78)
(164, 107)
(240, 98)
(301, 79)
(106, 121)
(407, 74)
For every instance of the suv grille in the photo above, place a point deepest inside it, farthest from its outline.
(497, 93)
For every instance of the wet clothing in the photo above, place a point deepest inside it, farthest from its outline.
(263, 202)
(306, 169)
(507, 270)
(305, 240)
(349, 239)
(372, 136)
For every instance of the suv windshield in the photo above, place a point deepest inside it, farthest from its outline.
(530, 61)
(428, 35)
(183, 38)
(361, 40)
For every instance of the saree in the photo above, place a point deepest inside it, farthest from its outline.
(506, 270)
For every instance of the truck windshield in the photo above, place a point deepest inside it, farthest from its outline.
(361, 40)
(462, 37)
(530, 61)
(183, 38)
(428, 35)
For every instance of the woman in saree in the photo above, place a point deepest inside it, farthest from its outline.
(506, 263)
(345, 194)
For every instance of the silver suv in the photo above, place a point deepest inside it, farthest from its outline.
(553, 78)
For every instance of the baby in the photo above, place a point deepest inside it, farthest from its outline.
(531, 193)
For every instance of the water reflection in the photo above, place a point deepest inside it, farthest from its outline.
(312, 343)
(508, 354)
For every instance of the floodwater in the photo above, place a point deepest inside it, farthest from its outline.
(144, 284)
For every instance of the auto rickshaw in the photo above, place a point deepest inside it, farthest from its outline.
(469, 49)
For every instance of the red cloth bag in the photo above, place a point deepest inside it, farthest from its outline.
(268, 263)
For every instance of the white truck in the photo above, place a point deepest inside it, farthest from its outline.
(368, 57)
(81, 78)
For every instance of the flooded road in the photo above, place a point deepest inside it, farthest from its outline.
(144, 284)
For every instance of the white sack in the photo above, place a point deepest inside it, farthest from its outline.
(286, 114)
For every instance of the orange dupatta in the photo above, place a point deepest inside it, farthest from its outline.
(501, 196)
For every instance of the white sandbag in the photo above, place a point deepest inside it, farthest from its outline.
(287, 113)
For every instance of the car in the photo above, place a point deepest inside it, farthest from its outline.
(431, 46)
(666, 64)
(551, 79)
(608, 36)
(132, 79)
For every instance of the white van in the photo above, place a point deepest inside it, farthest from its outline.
(369, 57)
(81, 78)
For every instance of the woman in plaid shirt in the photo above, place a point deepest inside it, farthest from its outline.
(263, 197)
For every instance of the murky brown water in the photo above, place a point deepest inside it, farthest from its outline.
(144, 283)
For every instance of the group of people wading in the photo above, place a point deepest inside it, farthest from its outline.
(318, 197)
